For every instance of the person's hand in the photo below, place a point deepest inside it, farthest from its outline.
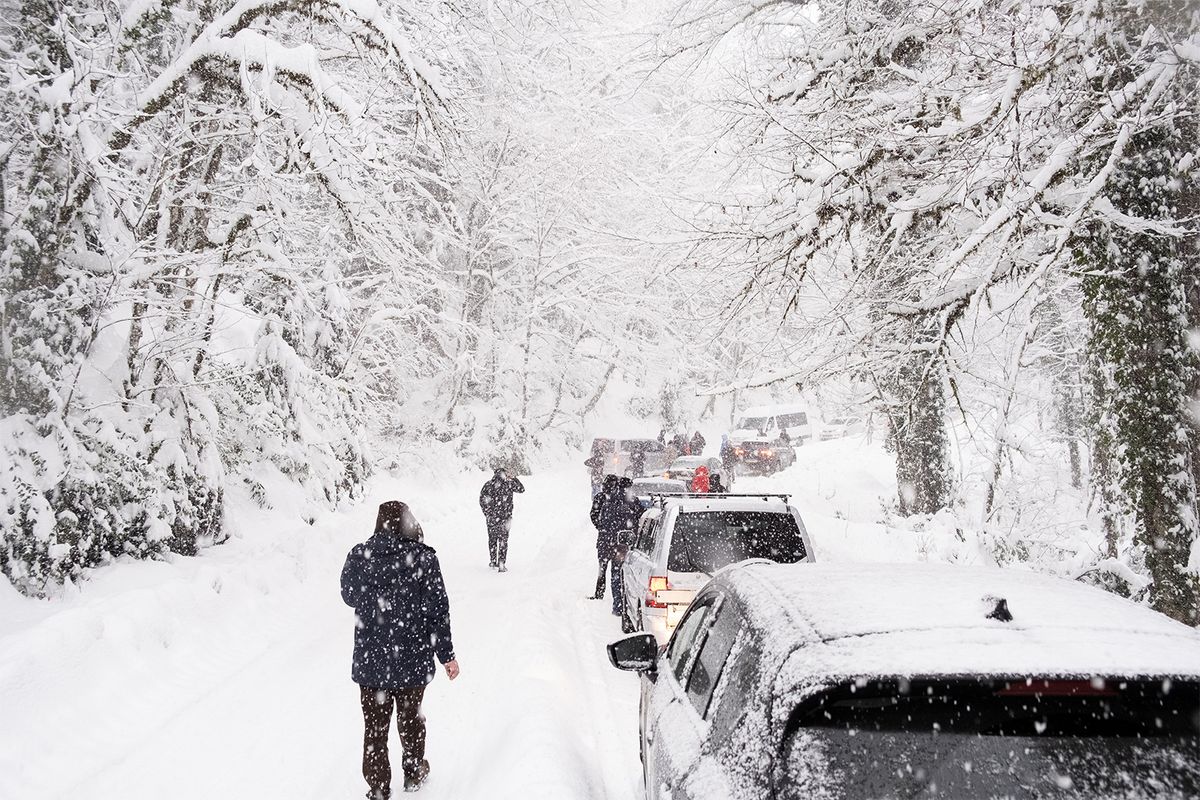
(451, 668)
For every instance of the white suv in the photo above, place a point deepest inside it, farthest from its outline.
(681, 540)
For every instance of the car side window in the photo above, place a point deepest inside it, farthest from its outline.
(689, 633)
(714, 652)
(643, 530)
(648, 535)
(735, 688)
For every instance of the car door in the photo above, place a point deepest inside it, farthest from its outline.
(638, 567)
(706, 636)
(672, 729)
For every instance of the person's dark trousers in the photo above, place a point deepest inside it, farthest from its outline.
(498, 540)
(377, 705)
(607, 564)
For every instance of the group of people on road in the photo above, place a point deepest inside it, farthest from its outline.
(394, 583)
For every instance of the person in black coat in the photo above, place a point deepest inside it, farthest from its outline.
(496, 502)
(393, 581)
(615, 513)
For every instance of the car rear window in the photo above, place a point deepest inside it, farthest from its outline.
(966, 739)
(705, 541)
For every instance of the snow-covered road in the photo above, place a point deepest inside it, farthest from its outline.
(227, 675)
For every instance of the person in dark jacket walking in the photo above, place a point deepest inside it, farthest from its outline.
(393, 581)
(615, 513)
(496, 501)
(697, 444)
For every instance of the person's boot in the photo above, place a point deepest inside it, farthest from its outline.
(416, 779)
(502, 567)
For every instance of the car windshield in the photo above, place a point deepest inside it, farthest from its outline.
(752, 423)
(964, 739)
(705, 541)
(792, 420)
(839, 421)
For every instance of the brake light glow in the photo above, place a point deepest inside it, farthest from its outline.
(658, 583)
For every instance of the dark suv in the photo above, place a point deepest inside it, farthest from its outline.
(880, 681)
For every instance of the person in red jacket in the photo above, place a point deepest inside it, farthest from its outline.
(700, 480)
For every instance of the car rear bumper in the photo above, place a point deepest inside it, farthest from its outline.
(662, 621)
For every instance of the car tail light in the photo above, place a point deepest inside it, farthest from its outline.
(767, 453)
(658, 583)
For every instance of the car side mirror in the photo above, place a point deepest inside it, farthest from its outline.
(637, 653)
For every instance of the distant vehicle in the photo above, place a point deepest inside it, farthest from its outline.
(930, 681)
(684, 468)
(763, 458)
(841, 427)
(778, 423)
(624, 456)
(681, 541)
(643, 487)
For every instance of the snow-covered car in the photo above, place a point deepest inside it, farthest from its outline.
(643, 488)
(873, 681)
(786, 423)
(684, 468)
(841, 427)
(682, 541)
(763, 458)
(632, 457)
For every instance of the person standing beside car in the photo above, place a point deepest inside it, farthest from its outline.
(496, 502)
(393, 581)
(728, 455)
(615, 513)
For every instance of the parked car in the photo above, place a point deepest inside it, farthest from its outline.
(763, 458)
(682, 541)
(624, 456)
(787, 424)
(684, 468)
(932, 681)
(841, 427)
(644, 487)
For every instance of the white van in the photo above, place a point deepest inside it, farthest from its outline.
(766, 423)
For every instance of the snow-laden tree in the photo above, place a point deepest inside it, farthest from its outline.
(924, 173)
(191, 192)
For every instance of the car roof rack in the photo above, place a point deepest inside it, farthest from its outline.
(662, 497)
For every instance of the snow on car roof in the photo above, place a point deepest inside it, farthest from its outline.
(855, 620)
(718, 503)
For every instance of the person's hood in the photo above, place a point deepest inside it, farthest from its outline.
(611, 482)
(701, 470)
(387, 545)
(396, 519)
